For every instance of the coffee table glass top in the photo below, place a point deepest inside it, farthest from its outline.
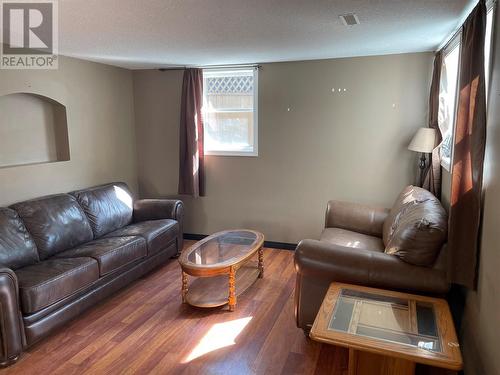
(392, 319)
(223, 248)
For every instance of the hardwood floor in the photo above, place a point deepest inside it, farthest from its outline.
(146, 329)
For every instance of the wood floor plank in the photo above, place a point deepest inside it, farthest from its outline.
(145, 329)
(273, 354)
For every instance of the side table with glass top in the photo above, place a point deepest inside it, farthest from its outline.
(387, 332)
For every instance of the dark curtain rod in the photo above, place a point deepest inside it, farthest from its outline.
(210, 67)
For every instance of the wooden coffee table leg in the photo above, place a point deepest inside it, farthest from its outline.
(232, 289)
(184, 286)
(261, 263)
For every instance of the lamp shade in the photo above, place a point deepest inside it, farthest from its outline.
(424, 140)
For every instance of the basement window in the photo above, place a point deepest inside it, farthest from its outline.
(448, 90)
(230, 112)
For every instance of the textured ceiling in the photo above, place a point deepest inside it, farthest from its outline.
(158, 33)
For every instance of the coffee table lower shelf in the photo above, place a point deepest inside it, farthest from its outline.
(214, 291)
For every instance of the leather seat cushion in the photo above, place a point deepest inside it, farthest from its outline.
(108, 207)
(347, 238)
(418, 227)
(56, 222)
(47, 282)
(17, 248)
(157, 233)
(110, 253)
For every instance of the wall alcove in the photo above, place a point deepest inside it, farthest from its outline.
(33, 129)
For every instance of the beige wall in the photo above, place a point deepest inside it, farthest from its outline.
(481, 321)
(100, 114)
(349, 146)
(33, 129)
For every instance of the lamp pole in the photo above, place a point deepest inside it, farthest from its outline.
(423, 164)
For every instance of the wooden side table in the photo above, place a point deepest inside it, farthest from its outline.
(387, 332)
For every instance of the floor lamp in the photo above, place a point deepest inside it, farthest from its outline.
(424, 141)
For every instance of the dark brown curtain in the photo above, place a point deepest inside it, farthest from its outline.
(432, 180)
(468, 157)
(191, 160)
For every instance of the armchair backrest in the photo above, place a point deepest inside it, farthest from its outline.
(416, 227)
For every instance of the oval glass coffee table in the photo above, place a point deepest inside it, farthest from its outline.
(223, 266)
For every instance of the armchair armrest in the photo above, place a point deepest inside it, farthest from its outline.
(155, 209)
(322, 260)
(11, 327)
(356, 217)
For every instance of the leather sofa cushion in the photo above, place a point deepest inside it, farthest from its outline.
(418, 227)
(56, 223)
(347, 238)
(110, 253)
(17, 248)
(49, 281)
(108, 207)
(157, 233)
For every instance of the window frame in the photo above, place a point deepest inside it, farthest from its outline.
(490, 8)
(255, 151)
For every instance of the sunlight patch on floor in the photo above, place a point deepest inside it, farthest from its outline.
(219, 336)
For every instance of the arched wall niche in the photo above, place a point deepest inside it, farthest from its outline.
(33, 130)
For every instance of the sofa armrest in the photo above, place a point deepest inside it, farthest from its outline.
(155, 209)
(11, 326)
(332, 262)
(356, 217)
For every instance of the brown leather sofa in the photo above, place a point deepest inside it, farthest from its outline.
(356, 245)
(61, 254)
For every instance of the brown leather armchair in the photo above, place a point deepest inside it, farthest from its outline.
(352, 248)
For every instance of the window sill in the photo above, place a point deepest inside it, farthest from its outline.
(232, 153)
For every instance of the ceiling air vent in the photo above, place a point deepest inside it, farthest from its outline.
(349, 19)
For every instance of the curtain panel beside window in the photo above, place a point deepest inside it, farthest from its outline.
(191, 158)
(468, 155)
(432, 181)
